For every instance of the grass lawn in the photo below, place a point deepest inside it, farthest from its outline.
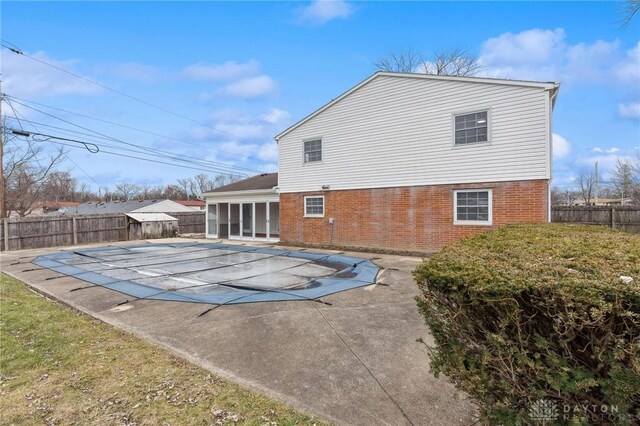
(60, 367)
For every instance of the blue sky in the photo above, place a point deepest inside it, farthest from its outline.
(242, 72)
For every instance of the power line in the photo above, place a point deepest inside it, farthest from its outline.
(63, 143)
(174, 156)
(220, 166)
(139, 150)
(125, 126)
(16, 113)
(12, 47)
(134, 157)
(43, 137)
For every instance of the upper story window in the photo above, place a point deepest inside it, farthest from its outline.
(313, 151)
(472, 207)
(471, 128)
(314, 206)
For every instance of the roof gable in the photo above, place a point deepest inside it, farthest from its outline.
(476, 80)
(253, 183)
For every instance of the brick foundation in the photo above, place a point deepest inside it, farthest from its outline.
(410, 218)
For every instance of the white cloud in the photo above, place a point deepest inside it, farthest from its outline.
(606, 162)
(608, 150)
(252, 87)
(229, 70)
(543, 54)
(268, 152)
(322, 11)
(26, 77)
(241, 138)
(276, 116)
(628, 70)
(629, 110)
(561, 147)
(531, 46)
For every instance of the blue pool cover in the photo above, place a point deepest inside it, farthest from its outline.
(213, 273)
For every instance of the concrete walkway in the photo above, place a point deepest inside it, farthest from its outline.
(355, 362)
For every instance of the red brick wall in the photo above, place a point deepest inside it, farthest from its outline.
(417, 218)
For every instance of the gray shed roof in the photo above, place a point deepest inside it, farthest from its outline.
(261, 181)
(105, 207)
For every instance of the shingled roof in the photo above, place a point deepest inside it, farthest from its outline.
(262, 181)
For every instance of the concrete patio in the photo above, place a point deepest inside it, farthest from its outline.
(354, 362)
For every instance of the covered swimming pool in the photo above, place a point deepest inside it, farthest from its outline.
(213, 273)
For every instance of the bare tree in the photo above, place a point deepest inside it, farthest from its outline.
(557, 198)
(186, 185)
(587, 183)
(629, 10)
(27, 167)
(173, 192)
(455, 62)
(128, 191)
(626, 179)
(61, 186)
(570, 197)
(225, 179)
(406, 61)
(203, 183)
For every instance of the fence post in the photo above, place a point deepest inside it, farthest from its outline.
(75, 230)
(6, 234)
(613, 222)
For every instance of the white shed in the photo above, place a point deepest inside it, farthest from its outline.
(151, 225)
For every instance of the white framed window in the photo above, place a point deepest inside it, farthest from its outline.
(472, 207)
(313, 151)
(314, 206)
(471, 128)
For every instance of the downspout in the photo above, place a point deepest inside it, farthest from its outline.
(552, 102)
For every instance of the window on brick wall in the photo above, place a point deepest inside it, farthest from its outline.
(313, 151)
(472, 207)
(314, 206)
(471, 128)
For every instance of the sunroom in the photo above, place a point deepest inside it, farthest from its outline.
(248, 209)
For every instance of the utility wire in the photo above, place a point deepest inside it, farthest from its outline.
(113, 153)
(164, 153)
(16, 113)
(12, 47)
(104, 151)
(125, 126)
(138, 150)
(220, 166)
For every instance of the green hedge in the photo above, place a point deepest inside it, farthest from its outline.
(535, 323)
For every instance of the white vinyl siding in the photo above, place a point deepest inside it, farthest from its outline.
(314, 206)
(397, 131)
(472, 207)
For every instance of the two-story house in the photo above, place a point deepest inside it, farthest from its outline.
(406, 161)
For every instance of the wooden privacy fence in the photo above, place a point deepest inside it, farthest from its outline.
(624, 218)
(190, 223)
(38, 232)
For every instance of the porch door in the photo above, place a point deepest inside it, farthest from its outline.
(262, 220)
(234, 220)
(247, 220)
(212, 220)
(274, 220)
